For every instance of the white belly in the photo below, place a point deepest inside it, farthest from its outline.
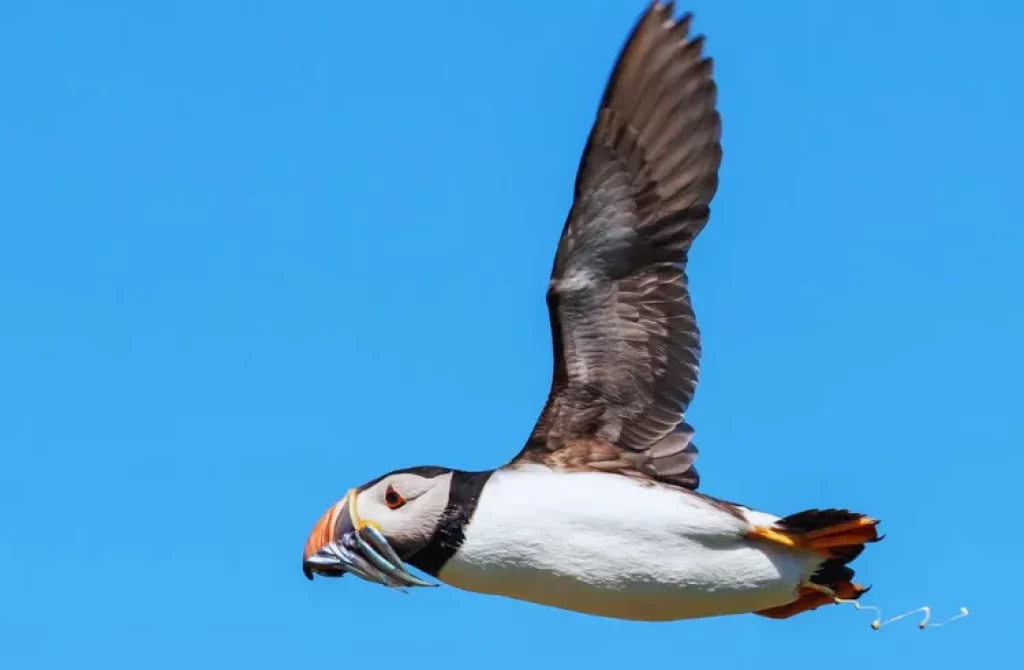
(605, 545)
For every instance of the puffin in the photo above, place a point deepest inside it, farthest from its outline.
(600, 511)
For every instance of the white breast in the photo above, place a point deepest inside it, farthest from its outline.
(606, 545)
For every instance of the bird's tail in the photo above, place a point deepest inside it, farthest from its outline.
(839, 536)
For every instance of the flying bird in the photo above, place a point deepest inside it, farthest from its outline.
(600, 511)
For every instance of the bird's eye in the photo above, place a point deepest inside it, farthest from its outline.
(393, 499)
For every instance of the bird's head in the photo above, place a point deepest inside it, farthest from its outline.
(375, 527)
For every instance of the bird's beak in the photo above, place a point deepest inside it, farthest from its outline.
(342, 542)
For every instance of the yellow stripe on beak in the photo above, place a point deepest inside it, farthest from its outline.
(325, 530)
(357, 522)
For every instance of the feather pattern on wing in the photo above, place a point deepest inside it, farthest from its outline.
(626, 342)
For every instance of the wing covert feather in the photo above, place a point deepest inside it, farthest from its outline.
(625, 337)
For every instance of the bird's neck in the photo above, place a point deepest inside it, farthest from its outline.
(448, 536)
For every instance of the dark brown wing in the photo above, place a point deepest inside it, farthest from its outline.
(625, 338)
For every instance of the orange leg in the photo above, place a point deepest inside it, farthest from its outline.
(811, 598)
(822, 540)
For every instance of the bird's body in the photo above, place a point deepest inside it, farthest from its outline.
(599, 512)
(617, 547)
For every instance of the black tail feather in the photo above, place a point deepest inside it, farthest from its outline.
(834, 570)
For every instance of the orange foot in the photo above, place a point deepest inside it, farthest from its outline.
(811, 598)
(830, 541)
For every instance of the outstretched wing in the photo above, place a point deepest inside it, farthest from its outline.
(626, 343)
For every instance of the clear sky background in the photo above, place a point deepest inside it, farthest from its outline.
(253, 253)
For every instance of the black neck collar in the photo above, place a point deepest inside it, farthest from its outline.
(449, 534)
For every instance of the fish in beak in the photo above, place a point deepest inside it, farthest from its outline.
(342, 542)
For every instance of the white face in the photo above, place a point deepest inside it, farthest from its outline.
(407, 507)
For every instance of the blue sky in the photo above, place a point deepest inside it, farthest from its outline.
(252, 254)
